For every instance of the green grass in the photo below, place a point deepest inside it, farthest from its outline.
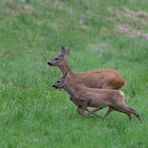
(32, 113)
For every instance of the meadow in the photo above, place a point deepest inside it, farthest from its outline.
(101, 34)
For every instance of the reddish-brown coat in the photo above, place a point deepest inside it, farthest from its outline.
(92, 97)
(103, 78)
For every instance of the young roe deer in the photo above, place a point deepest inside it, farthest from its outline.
(93, 97)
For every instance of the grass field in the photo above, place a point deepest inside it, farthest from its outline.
(101, 34)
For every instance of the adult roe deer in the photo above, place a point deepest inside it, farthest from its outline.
(102, 78)
(93, 97)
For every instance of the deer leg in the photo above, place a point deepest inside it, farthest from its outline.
(131, 110)
(135, 113)
(74, 101)
(108, 112)
(95, 110)
(88, 110)
(123, 109)
(83, 108)
(79, 110)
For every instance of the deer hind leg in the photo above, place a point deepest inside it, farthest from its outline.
(124, 109)
(108, 112)
(131, 110)
(99, 108)
(128, 110)
(95, 110)
(135, 113)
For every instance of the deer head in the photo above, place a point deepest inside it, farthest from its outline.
(61, 82)
(59, 60)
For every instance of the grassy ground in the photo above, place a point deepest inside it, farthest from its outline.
(101, 34)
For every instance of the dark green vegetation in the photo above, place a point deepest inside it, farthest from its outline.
(101, 34)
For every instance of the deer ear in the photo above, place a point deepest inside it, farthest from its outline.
(63, 51)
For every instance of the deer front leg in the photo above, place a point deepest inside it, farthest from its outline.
(74, 101)
(77, 104)
(82, 108)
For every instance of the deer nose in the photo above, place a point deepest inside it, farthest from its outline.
(54, 86)
(49, 63)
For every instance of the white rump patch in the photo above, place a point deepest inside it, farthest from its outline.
(121, 92)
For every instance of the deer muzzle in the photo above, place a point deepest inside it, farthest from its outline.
(49, 63)
(54, 86)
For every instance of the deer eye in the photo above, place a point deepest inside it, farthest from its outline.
(58, 81)
(56, 58)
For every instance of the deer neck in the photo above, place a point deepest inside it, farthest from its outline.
(64, 67)
(72, 88)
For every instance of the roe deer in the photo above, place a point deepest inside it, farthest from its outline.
(93, 97)
(103, 78)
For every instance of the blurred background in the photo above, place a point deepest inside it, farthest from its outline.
(101, 34)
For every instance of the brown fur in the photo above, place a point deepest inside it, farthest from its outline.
(91, 97)
(103, 78)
